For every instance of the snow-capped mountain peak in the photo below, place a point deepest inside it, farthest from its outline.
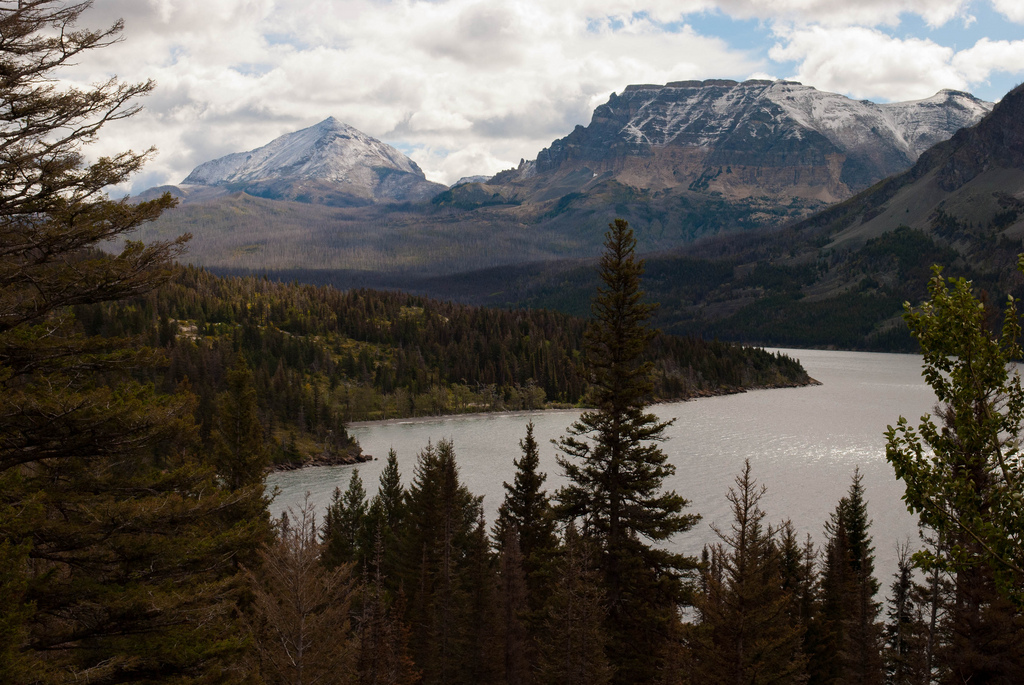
(330, 153)
(755, 138)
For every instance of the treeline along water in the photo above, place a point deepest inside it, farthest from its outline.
(803, 444)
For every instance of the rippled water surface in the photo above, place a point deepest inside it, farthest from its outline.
(803, 444)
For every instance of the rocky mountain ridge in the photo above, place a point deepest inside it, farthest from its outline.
(839, 278)
(737, 140)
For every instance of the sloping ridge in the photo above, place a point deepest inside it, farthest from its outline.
(994, 147)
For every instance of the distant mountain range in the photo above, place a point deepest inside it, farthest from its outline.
(680, 162)
(838, 278)
(756, 138)
(765, 268)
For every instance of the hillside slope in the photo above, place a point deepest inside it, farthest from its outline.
(839, 278)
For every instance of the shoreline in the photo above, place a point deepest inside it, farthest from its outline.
(523, 412)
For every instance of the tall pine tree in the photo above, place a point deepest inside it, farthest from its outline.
(344, 525)
(527, 516)
(439, 557)
(616, 469)
(851, 636)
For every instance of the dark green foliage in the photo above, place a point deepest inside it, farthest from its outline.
(616, 469)
(345, 526)
(573, 640)
(800, 579)
(847, 321)
(525, 533)
(237, 446)
(913, 252)
(850, 635)
(321, 358)
(748, 628)
(486, 646)
(526, 513)
(442, 563)
(118, 548)
(381, 532)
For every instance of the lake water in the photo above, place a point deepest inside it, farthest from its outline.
(803, 445)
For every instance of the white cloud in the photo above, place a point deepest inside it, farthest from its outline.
(987, 56)
(850, 13)
(474, 85)
(489, 82)
(867, 63)
(1011, 9)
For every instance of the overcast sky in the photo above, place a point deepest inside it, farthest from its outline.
(471, 86)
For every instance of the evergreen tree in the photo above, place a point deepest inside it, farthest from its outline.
(344, 524)
(906, 645)
(573, 639)
(800, 579)
(747, 631)
(383, 523)
(118, 549)
(391, 493)
(238, 450)
(616, 469)
(441, 516)
(850, 651)
(526, 507)
(526, 513)
(486, 647)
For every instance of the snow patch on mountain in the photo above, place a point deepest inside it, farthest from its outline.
(700, 114)
(329, 163)
(329, 151)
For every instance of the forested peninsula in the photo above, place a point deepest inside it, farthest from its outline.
(318, 358)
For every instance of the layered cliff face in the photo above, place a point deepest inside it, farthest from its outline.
(330, 163)
(752, 139)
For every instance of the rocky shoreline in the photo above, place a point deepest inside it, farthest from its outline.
(338, 459)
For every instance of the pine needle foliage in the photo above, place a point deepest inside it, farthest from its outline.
(616, 468)
(747, 629)
(118, 547)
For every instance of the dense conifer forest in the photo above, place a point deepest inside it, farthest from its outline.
(320, 358)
